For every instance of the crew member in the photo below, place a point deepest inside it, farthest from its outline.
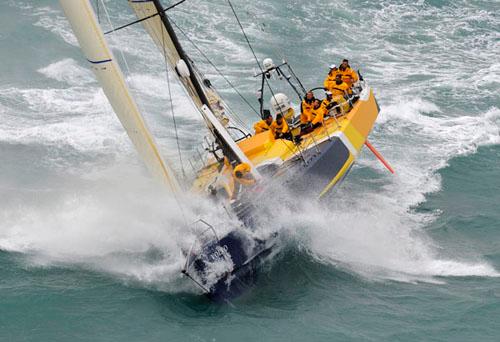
(306, 108)
(243, 175)
(349, 76)
(340, 92)
(328, 103)
(330, 78)
(280, 128)
(340, 88)
(328, 100)
(265, 124)
(318, 113)
(289, 115)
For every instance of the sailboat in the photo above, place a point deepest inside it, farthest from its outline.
(325, 155)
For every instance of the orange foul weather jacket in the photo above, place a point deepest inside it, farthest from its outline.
(318, 115)
(349, 76)
(247, 178)
(340, 89)
(261, 126)
(279, 129)
(330, 79)
(306, 111)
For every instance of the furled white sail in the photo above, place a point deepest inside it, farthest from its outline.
(166, 41)
(204, 97)
(91, 39)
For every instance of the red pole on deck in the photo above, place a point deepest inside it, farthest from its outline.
(379, 156)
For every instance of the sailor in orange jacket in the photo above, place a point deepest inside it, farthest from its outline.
(330, 78)
(265, 124)
(280, 128)
(318, 113)
(328, 103)
(306, 108)
(340, 88)
(243, 175)
(349, 76)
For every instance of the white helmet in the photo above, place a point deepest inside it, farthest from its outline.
(268, 64)
(280, 103)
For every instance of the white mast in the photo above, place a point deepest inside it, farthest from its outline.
(91, 39)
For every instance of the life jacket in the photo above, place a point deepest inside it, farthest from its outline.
(306, 111)
(277, 128)
(349, 76)
(261, 126)
(318, 115)
(330, 79)
(340, 89)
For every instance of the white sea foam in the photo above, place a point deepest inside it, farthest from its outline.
(68, 71)
(53, 21)
(418, 133)
(374, 240)
(79, 117)
(378, 235)
(136, 232)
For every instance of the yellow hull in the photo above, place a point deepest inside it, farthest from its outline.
(348, 132)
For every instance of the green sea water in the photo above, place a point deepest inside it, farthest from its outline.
(90, 249)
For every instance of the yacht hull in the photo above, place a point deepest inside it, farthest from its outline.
(239, 255)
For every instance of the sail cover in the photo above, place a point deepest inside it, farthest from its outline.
(91, 39)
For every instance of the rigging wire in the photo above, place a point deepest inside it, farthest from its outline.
(172, 104)
(251, 48)
(230, 112)
(245, 35)
(145, 18)
(111, 24)
(214, 66)
(256, 60)
(253, 52)
(97, 9)
(177, 199)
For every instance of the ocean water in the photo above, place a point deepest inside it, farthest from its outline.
(90, 247)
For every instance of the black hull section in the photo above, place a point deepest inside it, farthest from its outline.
(323, 163)
(240, 280)
(244, 253)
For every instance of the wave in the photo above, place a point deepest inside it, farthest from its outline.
(374, 230)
